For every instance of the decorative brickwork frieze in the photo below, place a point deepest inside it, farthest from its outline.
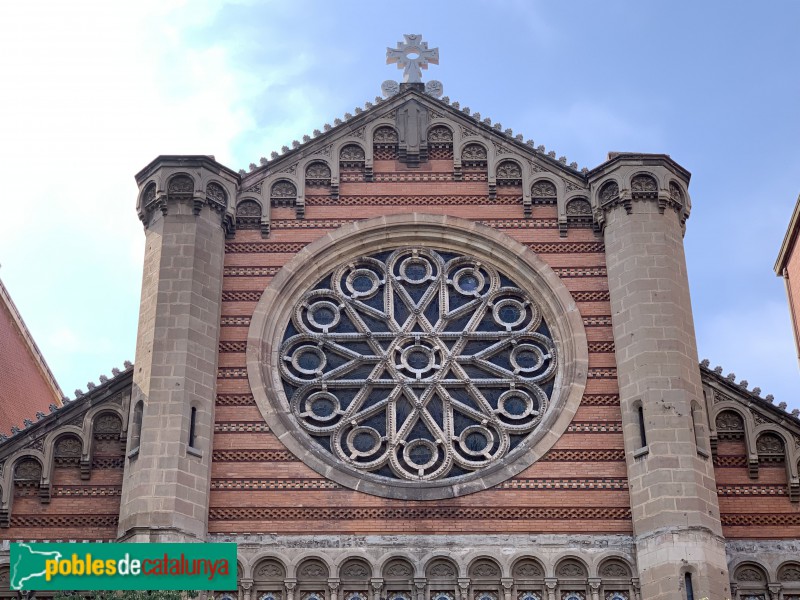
(428, 512)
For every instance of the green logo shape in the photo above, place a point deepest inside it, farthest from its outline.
(79, 566)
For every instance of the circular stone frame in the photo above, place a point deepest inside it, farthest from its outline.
(318, 259)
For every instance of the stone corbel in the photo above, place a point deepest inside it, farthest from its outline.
(333, 586)
(86, 467)
(457, 173)
(637, 588)
(44, 491)
(290, 584)
(594, 587)
(527, 202)
(752, 465)
(246, 587)
(508, 587)
(377, 587)
(300, 206)
(550, 583)
(265, 226)
(492, 187)
(463, 587)
(368, 169)
(197, 204)
(5, 517)
(775, 591)
(735, 590)
(335, 188)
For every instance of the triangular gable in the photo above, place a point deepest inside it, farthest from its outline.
(412, 120)
(769, 432)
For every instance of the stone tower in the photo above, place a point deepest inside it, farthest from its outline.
(641, 204)
(184, 205)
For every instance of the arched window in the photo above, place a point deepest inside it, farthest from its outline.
(687, 579)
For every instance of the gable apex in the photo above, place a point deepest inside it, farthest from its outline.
(355, 126)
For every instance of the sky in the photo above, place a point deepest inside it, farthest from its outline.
(94, 90)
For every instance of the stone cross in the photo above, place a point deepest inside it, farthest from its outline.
(413, 55)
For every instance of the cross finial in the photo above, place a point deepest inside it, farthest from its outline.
(412, 55)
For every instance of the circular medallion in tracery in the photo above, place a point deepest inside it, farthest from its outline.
(417, 365)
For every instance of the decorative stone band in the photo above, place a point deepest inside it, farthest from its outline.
(536, 280)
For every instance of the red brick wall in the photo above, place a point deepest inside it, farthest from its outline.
(753, 508)
(259, 487)
(23, 388)
(78, 509)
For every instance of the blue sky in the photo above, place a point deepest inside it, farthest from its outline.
(95, 90)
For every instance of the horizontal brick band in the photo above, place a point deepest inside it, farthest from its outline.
(291, 247)
(263, 247)
(232, 373)
(603, 373)
(422, 200)
(755, 519)
(602, 321)
(595, 427)
(250, 271)
(253, 456)
(409, 513)
(242, 296)
(601, 347)
(600, 399)
(274, 484)
(752, 490)
(85, 490)
(591, 296)
(240, 427)
(584, 455)
(81, 521)
(232, 346)
(607, 483)
(581, 271)
(730, 461)
(235, 400)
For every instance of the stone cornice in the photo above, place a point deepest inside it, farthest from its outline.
(196, 179)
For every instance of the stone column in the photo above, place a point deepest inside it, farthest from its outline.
(290, 585)
(550, 584)
(246, 587)
(508, 587)
(594, 588)
(463, 588)
(420, 584)
(377, 587)
(641, 202)
(166, 485)
(333, 586)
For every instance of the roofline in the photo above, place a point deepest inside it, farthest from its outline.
(188, 160)
(644, 158)
(37, 355)
(788, 240)
(361, 116)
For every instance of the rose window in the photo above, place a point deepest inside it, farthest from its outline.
(417, 365)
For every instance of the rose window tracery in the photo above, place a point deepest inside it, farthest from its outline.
(417, 365)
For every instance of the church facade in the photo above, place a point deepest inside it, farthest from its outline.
(415, 358)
